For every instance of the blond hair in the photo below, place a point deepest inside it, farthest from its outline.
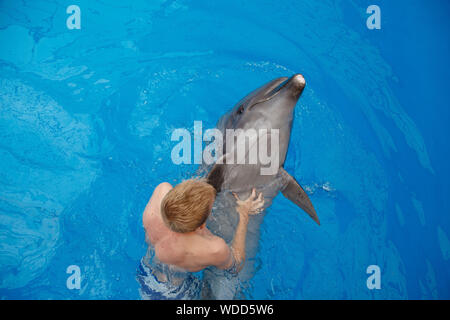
(187, 206)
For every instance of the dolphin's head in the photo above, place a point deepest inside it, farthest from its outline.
(273, 104)
(268, 107)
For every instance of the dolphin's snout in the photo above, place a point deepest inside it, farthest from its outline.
(295, 85)
(298, 81)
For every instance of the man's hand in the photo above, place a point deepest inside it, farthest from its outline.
(253, 205)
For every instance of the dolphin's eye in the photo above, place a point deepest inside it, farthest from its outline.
(240, 109)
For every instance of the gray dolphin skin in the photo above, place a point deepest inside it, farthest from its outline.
(268, 107)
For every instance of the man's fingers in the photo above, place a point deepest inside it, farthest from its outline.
(255, 202)
(256, 210)
(260, 197)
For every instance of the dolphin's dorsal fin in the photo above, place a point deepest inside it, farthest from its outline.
(294, 192)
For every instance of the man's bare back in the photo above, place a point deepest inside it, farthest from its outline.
(191, 251)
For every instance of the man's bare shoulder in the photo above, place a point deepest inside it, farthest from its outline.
(214, 251)
(158, 194)
(160, 191)
(163, 187)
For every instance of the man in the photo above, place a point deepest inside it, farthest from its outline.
(179, 242)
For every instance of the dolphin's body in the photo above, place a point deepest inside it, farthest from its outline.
(269, 107)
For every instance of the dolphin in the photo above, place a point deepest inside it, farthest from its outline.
(263, 110)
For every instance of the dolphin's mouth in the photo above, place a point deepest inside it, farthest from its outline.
(295, 83)
(271, 92)
(277, 89)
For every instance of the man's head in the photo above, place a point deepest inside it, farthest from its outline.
(187, 206)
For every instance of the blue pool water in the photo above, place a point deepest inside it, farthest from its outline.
(86, 117)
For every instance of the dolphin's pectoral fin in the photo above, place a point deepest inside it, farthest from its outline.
(294, 192)
(215, 177)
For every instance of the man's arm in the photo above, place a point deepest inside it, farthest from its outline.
(234, 257)
(251, 206)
